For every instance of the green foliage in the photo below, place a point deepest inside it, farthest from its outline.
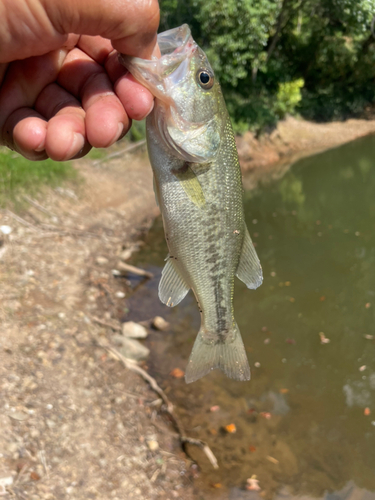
(313, 57)
(18, 175)
(288, 97)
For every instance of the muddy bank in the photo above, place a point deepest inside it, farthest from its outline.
(270, 155)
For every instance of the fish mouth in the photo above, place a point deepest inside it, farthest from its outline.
(161, 76)
(176, 39)
(176, 46)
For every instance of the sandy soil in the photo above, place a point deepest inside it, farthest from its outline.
(74, 423)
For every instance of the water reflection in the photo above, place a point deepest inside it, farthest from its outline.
(307, 418)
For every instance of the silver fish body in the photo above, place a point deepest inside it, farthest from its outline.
(199, 191)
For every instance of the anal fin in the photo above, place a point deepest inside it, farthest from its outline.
(172, 287)
(249, 269)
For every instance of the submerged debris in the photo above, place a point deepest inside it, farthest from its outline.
(230, 428)
(177, 373)
(252, 484)
(159, 323)
(323, 338)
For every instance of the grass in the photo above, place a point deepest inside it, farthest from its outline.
(19, 176)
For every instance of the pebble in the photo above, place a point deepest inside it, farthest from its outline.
(120, 295)
(6, 229)
(19, 415)
(134, 330)
(101, 261)
(160, 324)
(126, 254)
(153, 445)
(133, 349)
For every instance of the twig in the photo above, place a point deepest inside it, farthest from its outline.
(117, 328)
(122, 266)
(23, 221)
(131, 365)
(132, 147)
(21, 473)
(38, 206)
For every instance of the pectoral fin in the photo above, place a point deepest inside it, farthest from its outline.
(249, 269)
(191, 185)
(172, 287)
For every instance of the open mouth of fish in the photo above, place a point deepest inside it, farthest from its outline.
(160, 75)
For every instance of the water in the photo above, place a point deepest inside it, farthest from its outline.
(306, 421)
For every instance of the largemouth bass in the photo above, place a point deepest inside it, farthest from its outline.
(198, 188)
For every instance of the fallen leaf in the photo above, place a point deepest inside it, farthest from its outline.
(369, 337)
(252, 449)
(367, 412)
(368, 305)
(217, 485)
(287, 283)
(322, 298)
(292, 299)
(230, 428)
(213, 432)
(272, 460)
(34, 476)
(252, 484)
(283, 391)
(177, 373)
(323, 338)
(266, 414)
(215, 408)
(290, 341)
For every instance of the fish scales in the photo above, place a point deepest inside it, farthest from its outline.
(198, 187)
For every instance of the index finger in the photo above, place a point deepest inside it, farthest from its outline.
(130, 25)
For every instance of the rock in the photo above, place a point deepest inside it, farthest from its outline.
(101, 261)
(153, 445)
(133, 349)
(159, 323)
(126, 254)
(134, 330)
(5, 481)
(5, 229)
(19, 415)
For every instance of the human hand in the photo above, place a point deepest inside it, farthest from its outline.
(62, 89)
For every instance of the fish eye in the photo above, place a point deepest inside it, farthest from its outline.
(205, 79)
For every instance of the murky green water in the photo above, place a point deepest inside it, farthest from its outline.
(302, 421)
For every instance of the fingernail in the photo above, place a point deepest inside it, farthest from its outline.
(41, 147)
(152, 107)
(120, 130)
(77, 145)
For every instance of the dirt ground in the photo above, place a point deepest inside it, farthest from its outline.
(75, 423)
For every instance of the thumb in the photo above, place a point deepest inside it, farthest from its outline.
(35, 27)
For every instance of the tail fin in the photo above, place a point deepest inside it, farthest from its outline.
(228, 355)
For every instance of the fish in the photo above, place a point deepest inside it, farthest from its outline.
(198, 187)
